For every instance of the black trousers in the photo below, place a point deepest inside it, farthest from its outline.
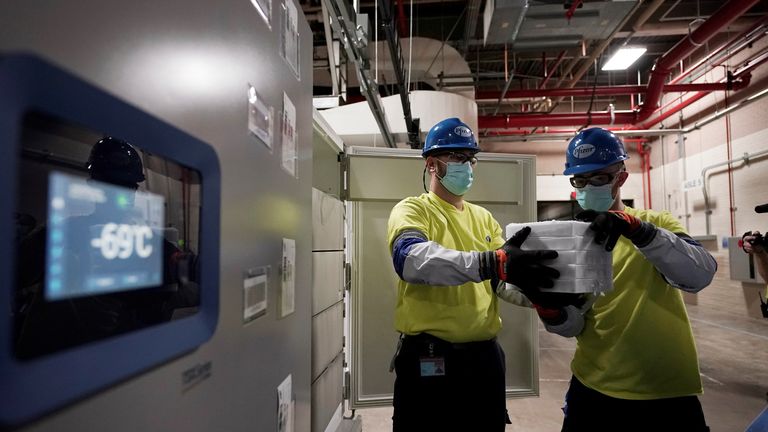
(589, 410)
(470, 396)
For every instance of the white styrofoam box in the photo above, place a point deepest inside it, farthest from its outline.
(584, 266)
(576, 286)
(573, 243)
(551, 228)
(581, 271)
(591, 257)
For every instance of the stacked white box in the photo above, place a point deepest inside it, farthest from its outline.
(584, 266)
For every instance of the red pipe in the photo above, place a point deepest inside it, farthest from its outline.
(642, 173)
(720, 19)
(571, 10)
(620, 117)
(401, 27)
(731, 52)
(648, 174)
(645, 169)
(608, 90)
(730, 169)
(554, 119)
(675, 109)
(552, 69)
(524, 132)
(661, 69)
(728, 45)
(743, 74)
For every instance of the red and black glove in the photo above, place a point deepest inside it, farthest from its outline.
(610, 225)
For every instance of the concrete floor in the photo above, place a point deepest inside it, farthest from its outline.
(733, 356)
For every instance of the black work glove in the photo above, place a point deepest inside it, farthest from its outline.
(610, 225)
(752, 242)
(522, 268)
(554, 300)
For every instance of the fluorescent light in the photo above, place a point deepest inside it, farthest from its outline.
(623, 58)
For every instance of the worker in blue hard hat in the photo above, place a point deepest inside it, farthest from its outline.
(451, 257)
(635, 354)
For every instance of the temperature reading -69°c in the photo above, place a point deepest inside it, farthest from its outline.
(122, 241)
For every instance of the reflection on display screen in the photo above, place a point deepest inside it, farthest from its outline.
(117, 246)
(107, 238)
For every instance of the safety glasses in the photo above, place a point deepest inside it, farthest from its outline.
(599, 179)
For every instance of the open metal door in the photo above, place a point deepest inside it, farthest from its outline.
(376, 180)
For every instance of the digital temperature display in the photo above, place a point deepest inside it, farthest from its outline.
(101, 238)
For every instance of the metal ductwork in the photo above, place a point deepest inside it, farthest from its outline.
(343, 21)
(386, 9)
(547, 21)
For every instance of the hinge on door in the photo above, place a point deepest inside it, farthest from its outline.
(344, 176)
(346, 385)
(347, 276)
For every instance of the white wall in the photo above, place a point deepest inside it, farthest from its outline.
(709, 145)
(750, 180)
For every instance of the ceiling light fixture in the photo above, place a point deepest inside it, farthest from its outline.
(623, 58)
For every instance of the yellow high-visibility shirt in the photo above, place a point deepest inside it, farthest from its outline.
(637, 341)
(462, 313)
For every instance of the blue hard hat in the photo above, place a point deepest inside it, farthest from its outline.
(593, 149)
(449, 134)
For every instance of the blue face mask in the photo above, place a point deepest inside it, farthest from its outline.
(458, 177)
(597, 198)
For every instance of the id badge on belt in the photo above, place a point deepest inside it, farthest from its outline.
(432, 365)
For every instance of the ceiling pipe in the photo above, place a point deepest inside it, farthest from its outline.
(553, 119)
(512, 39)
(665, 64)
(744, 73)
(749, 36)
(605, 117)
(572, 10)
(345, 25)
(473, 15)
(597, 52)
(751, 65)
(612, 90)
(386, 9)
(402, 26)
(552, 69)
(725, 15)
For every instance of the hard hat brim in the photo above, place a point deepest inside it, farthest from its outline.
(585, 168)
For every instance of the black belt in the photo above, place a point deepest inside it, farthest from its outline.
(423, 338)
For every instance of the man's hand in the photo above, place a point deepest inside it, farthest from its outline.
(753, 242)
(610, 225)
(524, 268)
